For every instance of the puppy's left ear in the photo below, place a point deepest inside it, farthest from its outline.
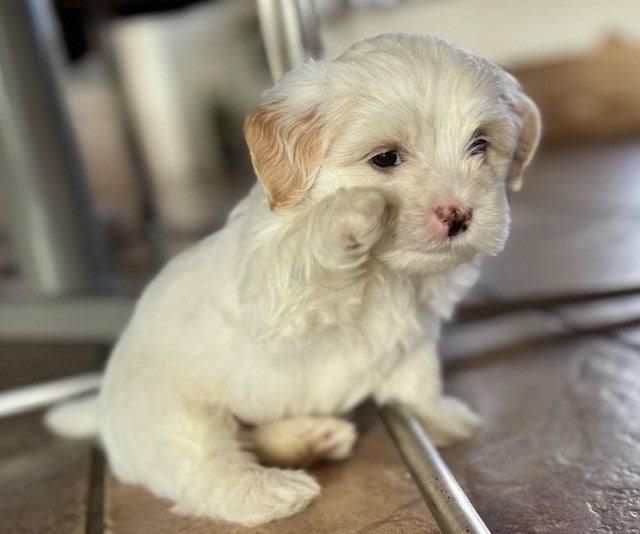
(530, 128)
(287, 145)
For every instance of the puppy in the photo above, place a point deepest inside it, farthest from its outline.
(382, 181)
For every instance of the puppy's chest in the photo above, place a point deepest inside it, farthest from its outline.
(389, 313)
(388, 323)
(348, 364)
(332, 369)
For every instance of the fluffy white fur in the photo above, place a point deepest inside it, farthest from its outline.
(326, 286)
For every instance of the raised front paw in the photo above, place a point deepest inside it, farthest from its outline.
(449, 421)
(361, 217)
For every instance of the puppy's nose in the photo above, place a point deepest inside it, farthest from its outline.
(454, 218)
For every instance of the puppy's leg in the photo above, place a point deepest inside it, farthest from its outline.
(302, 441)
(192, 455)
(416, 382)
(320, 262)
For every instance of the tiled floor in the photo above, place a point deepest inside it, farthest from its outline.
(560, 450)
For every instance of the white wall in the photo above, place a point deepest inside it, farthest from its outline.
(507, 31)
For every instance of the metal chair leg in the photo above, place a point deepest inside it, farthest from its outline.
(55, 236)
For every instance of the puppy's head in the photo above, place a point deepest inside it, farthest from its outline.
(444, 132)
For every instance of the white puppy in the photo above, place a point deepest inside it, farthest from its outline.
(383, 177)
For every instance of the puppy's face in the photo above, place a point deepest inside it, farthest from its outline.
(443, 132)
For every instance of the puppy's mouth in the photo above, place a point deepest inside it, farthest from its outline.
(465, 244)
(454, 243)
(483, 243)
(421, 261)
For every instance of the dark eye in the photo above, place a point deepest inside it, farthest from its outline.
(386, 159)
(479, 146)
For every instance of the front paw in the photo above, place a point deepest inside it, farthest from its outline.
(361, 217)
(449, 421)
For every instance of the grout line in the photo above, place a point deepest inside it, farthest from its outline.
(607, 330)
(95, 500)
(504, 352)
(501, 307)
(615, 337)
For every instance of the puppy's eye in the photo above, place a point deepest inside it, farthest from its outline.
(478, 146)
(386, 159)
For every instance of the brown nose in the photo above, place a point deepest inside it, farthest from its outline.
(455, 218)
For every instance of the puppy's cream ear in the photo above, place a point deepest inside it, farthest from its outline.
(286, 146)
(530, 127)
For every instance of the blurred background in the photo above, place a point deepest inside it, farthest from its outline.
(121, 144)
(152, 95)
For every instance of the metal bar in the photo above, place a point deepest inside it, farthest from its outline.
(290, 32)
(27, 398)
(55, 236)
(269, 17)
(449, 505)
(310, 27)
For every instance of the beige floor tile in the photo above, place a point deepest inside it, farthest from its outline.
(559, 450)
(44, 480)
(371, 492)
